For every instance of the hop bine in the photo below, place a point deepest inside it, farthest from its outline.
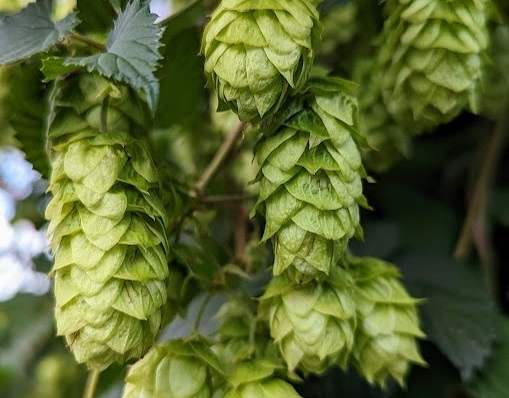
(258, 51)
(313, 324)
(311, 181)
(432, 56)
(388, 324)
(107, 223)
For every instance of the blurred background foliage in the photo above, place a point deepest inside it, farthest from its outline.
(440, 212)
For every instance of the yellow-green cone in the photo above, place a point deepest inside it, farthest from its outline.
(432, 58)
(388, 323)
(258, 51)
(311, 182)
(313, 324)
(107, 223)
(256, 379)
(174, 369)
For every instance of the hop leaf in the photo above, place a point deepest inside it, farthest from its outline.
(310, 182)
(388, 326)
(257, 51)
(107, 224)
(174, 369)
(256, 379)
(432, 59)
(313, 324)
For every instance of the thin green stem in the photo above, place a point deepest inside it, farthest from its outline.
(87, 40)
(201, 311)
(92, 381)
(219, 157)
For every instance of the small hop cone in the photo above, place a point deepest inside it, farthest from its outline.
(311, 182)
(388, 142)
(107, 224)
(174, 369)
(257, 51)
(388, 324)
(313, 324)
(241, 336)
(256, 379)
(432, 57)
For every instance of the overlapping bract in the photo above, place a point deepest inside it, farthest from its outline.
(432, 56)
(310, 182)
(174, 369)
(107, 224)
(313, 324)
(388, 324)
(256, 379)
(258, 50)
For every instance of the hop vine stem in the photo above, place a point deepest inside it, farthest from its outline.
(474, 227)
(88, 41)
(92, 381)
(218, 159)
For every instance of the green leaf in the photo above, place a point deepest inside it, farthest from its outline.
(132, 53)
(494, 380)
(458, 314)
(32, 31)
(26, 106)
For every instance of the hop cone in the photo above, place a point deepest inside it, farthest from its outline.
(388, 326)
(388, 142)
(256, 51)
(313, 324)
(174, 369)
(310, 182)
(241, 335)
(107, 224)
(432, 59)
(256, 379)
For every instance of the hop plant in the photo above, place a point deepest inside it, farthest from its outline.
(313, 324)
(310, 182)
(257, 51)
(432, 59)
(256, 379)
(107, 224)
(174, 369)
(388, 324)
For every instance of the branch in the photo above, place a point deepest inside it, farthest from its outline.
(219, 157)
(475, 221)
(92, 380)
(91, 42)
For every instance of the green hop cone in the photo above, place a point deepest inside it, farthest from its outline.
(174, 369)
(313, 324)
(388, 324)
(256, 379)
(432, 57)
(241, 336)
(257, 51)
(388, 142)
(311, 182)
(107, 224)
